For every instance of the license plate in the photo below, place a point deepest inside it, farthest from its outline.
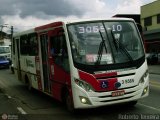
(118, 93)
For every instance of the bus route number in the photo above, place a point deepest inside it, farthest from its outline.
(95, 29)
(117, 28)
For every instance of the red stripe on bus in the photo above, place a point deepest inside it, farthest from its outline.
(97, 84)
(55, 24)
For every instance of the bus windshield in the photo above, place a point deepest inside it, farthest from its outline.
(4, 49)
(102, 43)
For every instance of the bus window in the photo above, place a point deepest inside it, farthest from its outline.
(55, 46)
(59, 51)
(33, 44)
(24, 45)
(29, 45)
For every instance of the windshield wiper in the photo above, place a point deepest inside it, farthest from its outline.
(100, 50)
(121, 46)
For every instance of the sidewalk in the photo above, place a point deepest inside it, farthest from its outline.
(6, 104)
(154, 69)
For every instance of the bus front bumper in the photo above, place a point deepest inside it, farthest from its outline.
(83, 99)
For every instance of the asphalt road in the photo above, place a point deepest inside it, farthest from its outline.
(18, 103)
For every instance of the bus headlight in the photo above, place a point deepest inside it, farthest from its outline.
(86, 86)
(145, 90)
(143, 77)
(84, 100)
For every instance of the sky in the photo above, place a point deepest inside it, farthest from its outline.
(27, 14)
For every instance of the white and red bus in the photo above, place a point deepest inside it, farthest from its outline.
(84, 63)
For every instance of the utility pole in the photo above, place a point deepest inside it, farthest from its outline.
(11, 32)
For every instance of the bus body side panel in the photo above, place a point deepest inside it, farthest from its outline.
(24, 54)
(43, 64)
(60, 78)
(28, 69)
(53, 78)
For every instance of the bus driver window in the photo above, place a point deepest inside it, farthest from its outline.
(59, 51)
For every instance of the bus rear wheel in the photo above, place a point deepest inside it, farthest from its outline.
(28, 83)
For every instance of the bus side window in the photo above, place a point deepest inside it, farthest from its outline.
(65, 59)
(33, 44)
(63, 47)
(55, 46)
(59, 51)
(24, 44)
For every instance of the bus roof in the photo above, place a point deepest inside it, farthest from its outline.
(60, 23)
(24, 32)
(97, 19)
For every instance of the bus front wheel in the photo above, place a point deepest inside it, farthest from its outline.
(69, 103)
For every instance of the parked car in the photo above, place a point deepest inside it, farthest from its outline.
(152, 58)
(5, 56)
(4, 62)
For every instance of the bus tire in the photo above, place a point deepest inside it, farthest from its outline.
(29, 87)
(28, 83)
(69, 103)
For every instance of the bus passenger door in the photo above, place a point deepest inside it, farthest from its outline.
(45, 64)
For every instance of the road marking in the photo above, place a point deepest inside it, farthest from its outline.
(21, 111)
(149, 107)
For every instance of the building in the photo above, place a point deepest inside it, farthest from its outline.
(5, 39)
(150, 20)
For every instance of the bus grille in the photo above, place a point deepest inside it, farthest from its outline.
(107, 96)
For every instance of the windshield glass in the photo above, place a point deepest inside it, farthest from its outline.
(108, 42)
(4, 50)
